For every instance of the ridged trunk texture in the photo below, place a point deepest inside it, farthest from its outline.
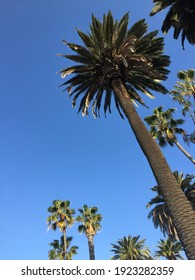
(91, 247)
(179, 207)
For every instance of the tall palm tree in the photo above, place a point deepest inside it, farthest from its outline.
(119, 62)
(160, 214)
(130, 248)
(61, 217)
(181, 17)
(164, 128)
(90, 225)
(57, 253)
(169, 249)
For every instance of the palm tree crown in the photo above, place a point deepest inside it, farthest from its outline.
(163, 127)
(57, 253)
(169, 249)
(184, 91)
(110, 51)
(130, 248)
(61, 215)
(89, 219)
(181, 17)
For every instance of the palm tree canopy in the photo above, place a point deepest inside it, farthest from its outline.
(163, 127)
(169, 249)
(130, 248)
(61, 215)
(160, 214)
(110, 51)
(57, 252)
(184, 91)
(89, 219)
(181, 17)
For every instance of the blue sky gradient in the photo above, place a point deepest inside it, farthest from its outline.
(49, 152)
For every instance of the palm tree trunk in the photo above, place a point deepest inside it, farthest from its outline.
(184, 151)
(91, 247)
(179, 207)
(65, 246)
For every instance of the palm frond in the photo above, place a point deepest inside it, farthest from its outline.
(112, 51)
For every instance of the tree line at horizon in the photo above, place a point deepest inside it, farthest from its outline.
(122, 63)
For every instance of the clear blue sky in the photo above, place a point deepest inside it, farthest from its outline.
(49, 152)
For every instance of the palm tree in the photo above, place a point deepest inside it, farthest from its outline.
(169, 249)
(160, 214)
(130, 248)
(119, 62)
(90, 225)
(184, 91)
(181, 17)
(164, 128)
(57, 253)
(61, 217)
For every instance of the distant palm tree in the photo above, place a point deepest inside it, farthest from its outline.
(130, 248)
(164, 128)
(90, 225)
(160, 214)
(119, 62)
(181, 17)
(169, 249)
(57, 253)
(184, 91)
(61, 217)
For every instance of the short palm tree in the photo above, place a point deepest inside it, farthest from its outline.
(164, 128)
(57, 253)
(90, 225)
(130, 248)
(169, 249)
(119, 62)
(61, 217)
(181, 17)
(160, 214)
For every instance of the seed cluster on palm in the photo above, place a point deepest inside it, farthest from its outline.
(111, 51)
(181, 17)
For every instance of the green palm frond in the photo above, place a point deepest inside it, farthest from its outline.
(130, 248)
(181, 16)
(164, 127)
(61, 215)
(57, 252)
(89, 220)
(169, 249)
(111, 51)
